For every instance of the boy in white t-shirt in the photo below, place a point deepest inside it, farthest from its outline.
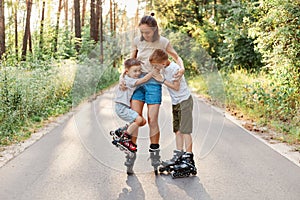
(182, 106)
(122, 106)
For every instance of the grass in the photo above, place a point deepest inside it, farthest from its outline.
(257, 97)
(31, 97)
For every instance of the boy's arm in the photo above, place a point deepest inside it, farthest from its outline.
(144, 79)
(175, 85)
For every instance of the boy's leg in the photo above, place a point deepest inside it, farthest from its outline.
(139, 121)
(188, 142)
(137, 106)
(179, 141)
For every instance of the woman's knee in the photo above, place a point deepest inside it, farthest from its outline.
(153, 122)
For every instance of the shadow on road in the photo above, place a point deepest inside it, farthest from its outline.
(136, 190)
(181, 188)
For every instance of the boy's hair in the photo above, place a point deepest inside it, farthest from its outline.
(131, 62)
(158, 56)
(151, 22)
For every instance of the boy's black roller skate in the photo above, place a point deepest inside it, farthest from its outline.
(168, 165)
(185, 167)
(129, 162)
(155, 159)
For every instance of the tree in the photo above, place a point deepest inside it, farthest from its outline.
(16, 28)
(77, 24)
(27, 34)
(2, 29)
(93, 21)
(84, 2)
(66, 6)
(57, 26)
(99, 7)
(41, 43)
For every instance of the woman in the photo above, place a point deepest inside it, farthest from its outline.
(151, 93)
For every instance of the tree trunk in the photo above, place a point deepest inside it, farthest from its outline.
(27, 30)
(83, 12)
(93, 20)
(16, 28)
(30, 41)
(57, 27)
(111, 15)
(77, 24)
(115, 18)
(97, 25)
(41, 43)
(101, 31)
(66, 6)
(2, 29)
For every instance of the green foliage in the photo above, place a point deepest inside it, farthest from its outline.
(277, 33)
(271, 99)
(92, 76)
(31, 95)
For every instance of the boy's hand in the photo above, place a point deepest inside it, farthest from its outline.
(158, 77)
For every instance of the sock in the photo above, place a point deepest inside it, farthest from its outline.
(154, 146)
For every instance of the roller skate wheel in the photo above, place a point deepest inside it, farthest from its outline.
(111, 132)
(161, 169)
(173, 175)
(131, 154)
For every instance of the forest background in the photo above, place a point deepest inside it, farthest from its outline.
(242, 55)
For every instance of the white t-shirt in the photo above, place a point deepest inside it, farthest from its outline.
(125, 96)
(145, 49)
(183, 93)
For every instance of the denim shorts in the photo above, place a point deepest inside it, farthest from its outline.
(125, 112)
(149, 93)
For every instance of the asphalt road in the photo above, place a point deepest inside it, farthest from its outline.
(76, 160)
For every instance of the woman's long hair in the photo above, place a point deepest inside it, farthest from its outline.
(151, 22)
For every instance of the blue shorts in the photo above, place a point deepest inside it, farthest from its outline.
(150, 93)
(125, 112)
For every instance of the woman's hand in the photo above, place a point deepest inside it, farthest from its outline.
(179, 74)
(122, 85)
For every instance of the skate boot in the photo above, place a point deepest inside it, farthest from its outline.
(185, 167)
(155, 158)
(128, 144)
(116, 134)
(129, 162)
(125, 144)
(169, 164)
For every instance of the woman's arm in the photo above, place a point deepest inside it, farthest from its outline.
(134, 53)
(171, 51)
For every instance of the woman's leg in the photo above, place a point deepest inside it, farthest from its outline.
(153, 111)
(138, 107)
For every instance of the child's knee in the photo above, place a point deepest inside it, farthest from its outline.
(140, 121)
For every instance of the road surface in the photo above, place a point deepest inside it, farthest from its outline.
(76, 160)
